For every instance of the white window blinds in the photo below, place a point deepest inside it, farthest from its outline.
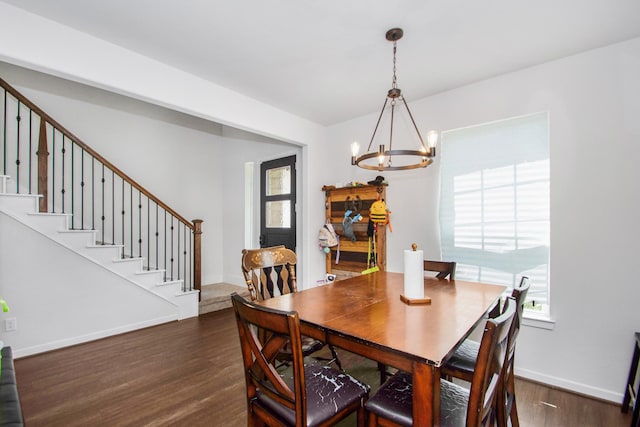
(494, 207)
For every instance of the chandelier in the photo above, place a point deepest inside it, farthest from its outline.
(385, 156)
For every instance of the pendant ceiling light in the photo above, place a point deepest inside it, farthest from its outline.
(390, 158)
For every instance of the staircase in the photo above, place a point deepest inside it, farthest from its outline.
(111, 256)
(23, 208)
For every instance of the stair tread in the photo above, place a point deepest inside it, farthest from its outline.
(217, 292)
(218, 296)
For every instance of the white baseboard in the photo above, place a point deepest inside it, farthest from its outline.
(55, 345)
(584, 389)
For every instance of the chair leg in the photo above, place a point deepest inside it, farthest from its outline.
(372, 420)
(505, 405)
(511, 400)
(253, 420)
(633, 370)
(383, 372)
(336, 359)
(513, 414)
(635, 421)
(362, 416)
(501, 407)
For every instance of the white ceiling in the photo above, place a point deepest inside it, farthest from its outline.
(328, 60)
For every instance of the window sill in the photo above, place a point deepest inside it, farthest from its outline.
(541, 321)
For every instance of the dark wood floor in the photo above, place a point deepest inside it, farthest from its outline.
(190, 373)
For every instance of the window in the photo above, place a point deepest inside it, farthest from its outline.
(494, 204)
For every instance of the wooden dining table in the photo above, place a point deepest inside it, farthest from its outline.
(365, 315)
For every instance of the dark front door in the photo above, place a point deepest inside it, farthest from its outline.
(278, 203)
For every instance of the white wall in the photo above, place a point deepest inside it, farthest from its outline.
(240, 148)
(594, 104)
(50, 287)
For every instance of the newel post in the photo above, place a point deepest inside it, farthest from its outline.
(43, 165)
(197, 256)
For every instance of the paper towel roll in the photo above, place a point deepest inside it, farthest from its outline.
(413, 274)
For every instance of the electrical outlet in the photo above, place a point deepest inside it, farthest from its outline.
(10, 324)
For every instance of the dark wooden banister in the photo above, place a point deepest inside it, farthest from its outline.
(195, 226)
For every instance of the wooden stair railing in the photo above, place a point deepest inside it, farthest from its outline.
(62, 180)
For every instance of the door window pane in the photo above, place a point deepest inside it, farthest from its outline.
(279, 181)
(278, 214)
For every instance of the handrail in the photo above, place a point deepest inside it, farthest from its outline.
(177, 251)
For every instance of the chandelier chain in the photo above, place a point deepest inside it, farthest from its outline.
(394, 83)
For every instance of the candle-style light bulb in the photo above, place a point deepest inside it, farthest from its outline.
(381, 155)
(355, 148)
(432, 138)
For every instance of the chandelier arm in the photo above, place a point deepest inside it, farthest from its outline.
(393, 110)
(377, 124)
(414, 124)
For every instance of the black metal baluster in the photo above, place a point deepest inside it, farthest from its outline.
(140, 224)
(18, 149)
(165, 245)
(104, 236)
(30, 147)
(184, 276)
(4, 137)
(53, 170)
(157, 238)
(171, 247)
(93, 193)
(73, 179)
(63, 190)
(191, 260)
(178, 253)
(131, 220)
(148, 234)
(113, 209)
(123, 249)
(81, 188)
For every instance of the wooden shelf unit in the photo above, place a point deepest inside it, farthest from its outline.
(353, 255)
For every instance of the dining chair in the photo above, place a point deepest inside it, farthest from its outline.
(270, 272)
(463, 361)
(314, 395)
(445, 269)
(392, 405)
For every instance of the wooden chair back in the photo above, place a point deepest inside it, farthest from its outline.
(269, 272)
(488, 375)
(259, 356)
(445, 269)
(519, 294)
